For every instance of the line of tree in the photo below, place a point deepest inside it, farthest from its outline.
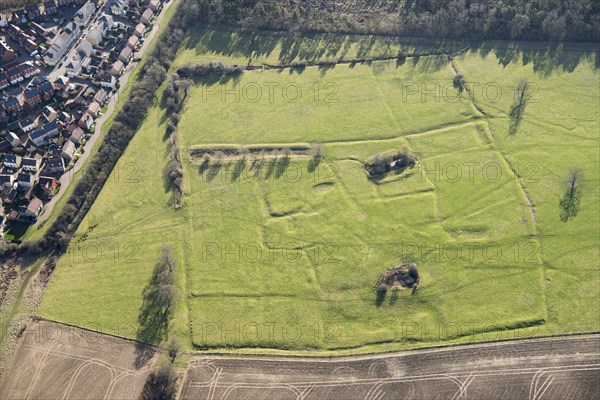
(209, 68)
(161, 384)
(160, 297)
(576, 20)
(174, 97)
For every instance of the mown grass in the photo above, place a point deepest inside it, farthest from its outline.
(285, 255)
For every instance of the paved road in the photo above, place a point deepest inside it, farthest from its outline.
(68, 177)
(558, 368)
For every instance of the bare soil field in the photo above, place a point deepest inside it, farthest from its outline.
(60, 362)
(558, 368)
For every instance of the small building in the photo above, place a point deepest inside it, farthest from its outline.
(27, 124)
(139, 30)
(14, 75)
(13, 139)
(147, 17)
(85, 13)
(4, 83)
(31, 47)
(48, 185)
(73, 68)
(13, 106)
(50, 7)
(117, 68)
(6, 182)
(94, 36)
(32, 97)
(7, 54)
(77, 136)
(33, 208)
(30, 164)
(85, 49)
(118, 6)
(43, 134)
(49, 113)
(86, 121)
(132, 42)
(105, 24)
(27, 69)
(93, 109)
(154, 5)
(46, 90)
(11, 161)
(68, 151)
(55, 164)
(100, 96)
(125, 55)
(107, 80)
(25, 181)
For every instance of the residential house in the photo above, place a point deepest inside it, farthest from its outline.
(86, 121)
(13, 139)
(14, 75)
(48, 185)
(94, 36)
(13, 106)
(49, 113)
(41, 135)
(118, 7)
(85, 13)
(33, 208)
(132, 42)
(38, 29)
(6, 182)
(125, 55)
(68, 151)
(33, 11)
(107, 80)
(5, 146)
(85, 49)
(100, 96)
(4, 83)
(30, 164)
(94, 109)
(31, 47)
(105, 24)
(73, 68)
(27, 69)
(61, 83)
(7, 54)
(25, 181)
(154, 5)
(147, 16)
(55, 164)
(139, 30)
(50, 7)
(18, 17)
(11, 161)
(117, 68)
(46, 91)
(32, 97)
(27, 124)
(77, 136)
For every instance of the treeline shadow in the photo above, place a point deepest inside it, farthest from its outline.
(225, 40)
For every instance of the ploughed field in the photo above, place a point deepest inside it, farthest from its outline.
(282, 251)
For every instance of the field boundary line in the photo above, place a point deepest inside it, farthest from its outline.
(391, 353)
(37, 318)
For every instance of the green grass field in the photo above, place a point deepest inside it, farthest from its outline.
(284, 255)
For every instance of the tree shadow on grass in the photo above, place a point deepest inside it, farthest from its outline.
(153, 323)
(380, 297)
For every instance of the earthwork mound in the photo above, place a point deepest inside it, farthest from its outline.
(405, 276)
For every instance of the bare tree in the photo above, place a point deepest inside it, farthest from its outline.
(570, 202)
(518, 108)
(174, 348)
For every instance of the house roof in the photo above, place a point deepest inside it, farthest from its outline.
(34, 205)
(10, 158)
(118, 65)
(30, 94)
(126, 52)
(147, 14)
(94, 107)
(13, 72)
(85, 48)
(55, 162)
(30, 162)
(25, 177)
(12, 102)
(77, 134)
(6, 178)
(140, 27)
